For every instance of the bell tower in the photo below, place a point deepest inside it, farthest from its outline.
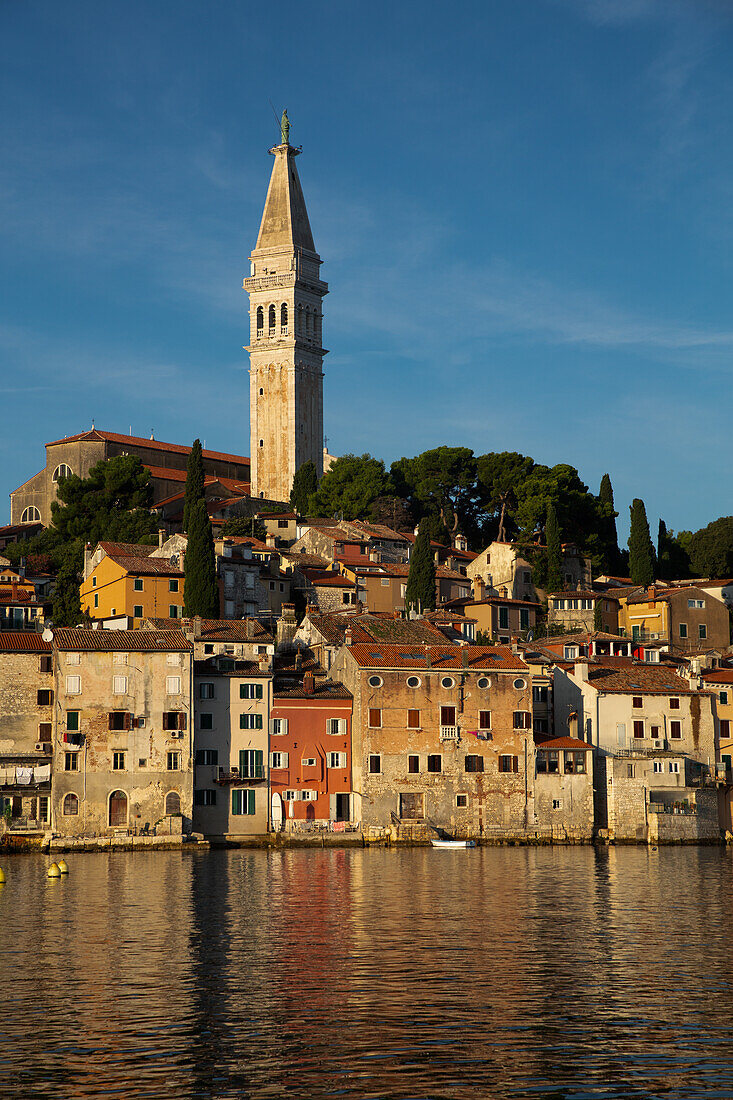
(285, 346)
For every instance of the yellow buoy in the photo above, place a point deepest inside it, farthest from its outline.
(63, 867)
(2, 877)
(53, 871)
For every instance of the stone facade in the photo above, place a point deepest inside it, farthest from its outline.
(563, 789)
(26, 731)
(286, 353)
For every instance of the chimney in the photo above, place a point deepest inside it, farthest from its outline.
(14, 590)
(249, 627)
(479, 588)
(161, 536)
(309, 684)
(287, 625)
(270, 541)
(427, 655)
(581, 670)
(197, 626)
(348, 635)
(298, 661)
(652, 591)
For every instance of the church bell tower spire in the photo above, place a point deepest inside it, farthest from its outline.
(285, 348)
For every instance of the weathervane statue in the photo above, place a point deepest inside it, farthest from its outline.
(285, 127)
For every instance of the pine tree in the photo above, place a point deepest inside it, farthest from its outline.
(66, 599)
(201, 591)
(194, 482)
(641, 549)
(420, 594)
(554, 551)
(608, 531)
(305, 482)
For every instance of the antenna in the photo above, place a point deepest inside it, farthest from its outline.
(277, 120)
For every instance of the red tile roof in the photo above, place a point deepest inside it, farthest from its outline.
(622, 675)
(219, 630)
(151, 444)
(719, 676)
(23, 641)
(410, 656)
(322, 690)
(119, 641)
(128, 549)
(146, 567)
(564, 743)
(327, 578)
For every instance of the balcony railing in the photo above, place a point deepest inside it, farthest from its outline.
(237, 775)
(449, 733)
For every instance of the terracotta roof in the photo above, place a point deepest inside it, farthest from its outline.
(623, 676)
(128, 549)
(409, 656)
(23, 641)
(327, 578)
(718, 676)
(276, 515)
(21, 595)
(146, 566)
(564, 743)
(501, 600)
(219, 630)
(377, 531)
(209, 667)
(322, 690)
(18, 528)
(150, 444)
(582, 594)
(118, 641)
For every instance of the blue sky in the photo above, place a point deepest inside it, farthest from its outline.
(524, 212)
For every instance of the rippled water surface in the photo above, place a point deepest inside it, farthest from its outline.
(418, 973)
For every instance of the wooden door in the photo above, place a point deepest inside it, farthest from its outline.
(118, 809)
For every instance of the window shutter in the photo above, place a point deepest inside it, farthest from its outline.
(259, 762)
(515, 763)
(258, 721)
(250, 802)
(242, 761)
(258, 691)
(235, 801)
(182, 721)
(127, 724)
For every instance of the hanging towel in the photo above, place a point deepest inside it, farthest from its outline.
(23, 776)
(42, 773)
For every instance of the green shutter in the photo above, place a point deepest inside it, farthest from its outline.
(242, 718)
(259, 764)
(250, 802)
(235, 802)
(258, 691)
(258, 721)
(242, 761)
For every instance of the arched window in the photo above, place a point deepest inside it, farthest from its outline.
(117, 809)
(308, 322)
(316, 325)
(172, 803)
(260, 320)
(300, 318)
(283, 320)
(71, 806)
(273, 320)
(30, 515)
(62, 471)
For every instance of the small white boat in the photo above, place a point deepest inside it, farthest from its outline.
(453, 843)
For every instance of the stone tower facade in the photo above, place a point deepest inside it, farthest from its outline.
(285, 347)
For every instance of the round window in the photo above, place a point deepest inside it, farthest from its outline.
(447, 682)
(483, 682)
(375, 681)
(413, 681)
(519, 684)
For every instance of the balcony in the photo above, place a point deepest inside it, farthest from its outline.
(228, 778)
(449, 733)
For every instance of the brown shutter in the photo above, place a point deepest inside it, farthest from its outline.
(181, 721)
(166, 722)
(127, 722)
(111, 720)
(515, 763)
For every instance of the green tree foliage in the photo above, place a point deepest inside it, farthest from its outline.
(441, 486)
(641, 549)
(350, 487)
(554, 551)
(501, 477)
(673, 562)
(608, 537)
(66, 609)
(112, 504)
(201, 592)
(393, 512)
(305, 483)
(420, 593)
(247, 527)
(194, 481)
(710, 549)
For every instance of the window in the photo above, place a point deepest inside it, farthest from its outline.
(173, 685)
(447, 682)
(96, 599)
(683, 630)
(724, 698)
(637, 701)
(696, 603)
(375, 681)
(375, 765)
(413, 764)
(724, 728)
(204, 798)
(474, 763)
(250, 721)
(61, 470)
(484, 719)
(503, 618)
(44, 731)
(435, 762)
(290, 796)
(522, 720)
(119, 685)
(207, 756)
(250, 691)
(413, 681)
(657, 766)
(509, 763)
(675, 729)
(413, 719)
(118, 761)
(557, 803)
(309, 761)
(137, 611)
(173, 584)
(336, 727)
(206, 721)
(638, 729)
(243, 803)
(553, 762)
(674, 704)
(520, 684)
(46, 663)
(260, 322)
(447, 716)
(73, 658)
(461, 801)
(252, 764)
(174, 611)
(541, 762)
(308, 796)
(30, 515)
(229, 609)
(702, 630)
(173, 761)
(412, 806)
(94, 582)
(278, 727)
(72, 720)
(70, 761)
(138, 584)
(375, 718)
(674, 767)
(654, 732)
(336, 759)
(523, 618)
(71, 805)
(272, 318)
(174, 720)
(483, 682)
(574, 763)
(206, 691)
(73, 685)
(119, 658)
(278, 760)
(119, 720)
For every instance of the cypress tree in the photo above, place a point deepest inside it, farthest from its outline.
(554, 551)
(608, 523)
(598, 615)
(194, 482)
(305, 482)
(641, 548)
(201, 591)
(420, 593)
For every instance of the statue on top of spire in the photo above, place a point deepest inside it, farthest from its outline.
(285, 127)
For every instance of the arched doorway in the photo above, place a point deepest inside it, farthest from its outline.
(117, 809)
(172, 803)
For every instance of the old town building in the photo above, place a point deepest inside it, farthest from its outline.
(686, 620)
(26, 731)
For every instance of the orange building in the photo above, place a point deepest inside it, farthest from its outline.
(127, 583)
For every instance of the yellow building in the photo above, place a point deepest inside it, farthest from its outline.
(720, 683)
(125, 582)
